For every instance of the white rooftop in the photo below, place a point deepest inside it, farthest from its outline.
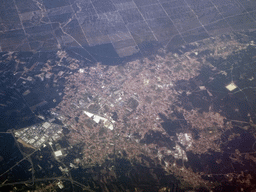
(46, 125)
(58, 153)
(97, 119)
(232, 86)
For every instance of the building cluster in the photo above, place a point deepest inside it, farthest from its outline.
(38, 135)
(114, 109)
